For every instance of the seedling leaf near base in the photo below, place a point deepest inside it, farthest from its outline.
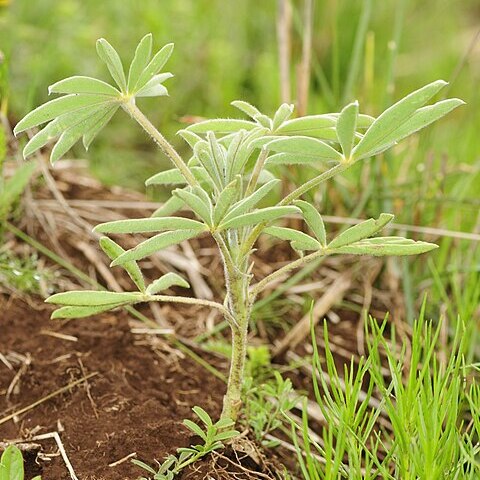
(11, 464)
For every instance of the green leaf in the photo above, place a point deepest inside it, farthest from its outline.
(314, 220)
(55, 128)
(392, 118)
(140, 60)
(307, 125)
(307, 146)
(111, 58)
(191, 138)
(346, 126)
(203, 416)
(155, 244)
(234, 149)
(14, 187)
(243, 206)
(142, 225)
(95, 128)
(195, 429)
(11, 464)
(421, 118)
(155, 87)
(198, 205)
(218, 154)
(81, 312)
(259, 216)
(382, 246)
(302, 240)
(203, 153)
(113, 251)
(282, 114)
(83, 85)
(154, 67)
(247, 108)
(290, 159)
(172, 205)
(166, 281)
(57, 107)
(221, 125)
(225, 200)
(362, 230)
(70, 136)
(222, 436)
(93, 298)
(175, 177)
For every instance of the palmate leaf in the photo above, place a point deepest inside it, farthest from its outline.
(172, 205)
(247, 108)
(382, 246)
(89, 104)
(59, 106)
(166, 281)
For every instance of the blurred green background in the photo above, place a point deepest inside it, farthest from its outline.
(227, 50)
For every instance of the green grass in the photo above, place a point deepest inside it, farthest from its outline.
(425, 424)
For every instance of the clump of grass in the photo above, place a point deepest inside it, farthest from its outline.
(425, 425)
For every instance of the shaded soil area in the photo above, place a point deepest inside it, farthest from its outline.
(134, 404)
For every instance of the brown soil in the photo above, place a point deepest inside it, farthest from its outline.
(135, 403)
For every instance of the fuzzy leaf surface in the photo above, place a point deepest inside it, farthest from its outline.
(263, 215)
(93, 298)
(143, 225)
(155, 244)
(314, 220)
(362, 230)
(166, 281)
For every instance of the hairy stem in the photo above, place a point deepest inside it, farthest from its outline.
(240, 307)
(194, 301)
(160, 140)
(261, 285)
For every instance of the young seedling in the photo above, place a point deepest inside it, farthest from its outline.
(224, 183)
(212, 435)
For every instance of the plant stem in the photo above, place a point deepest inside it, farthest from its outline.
(160, 140)
(257, 288)
(240, 307)
(194, 301)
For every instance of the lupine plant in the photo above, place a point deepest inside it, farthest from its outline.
(228, 184)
